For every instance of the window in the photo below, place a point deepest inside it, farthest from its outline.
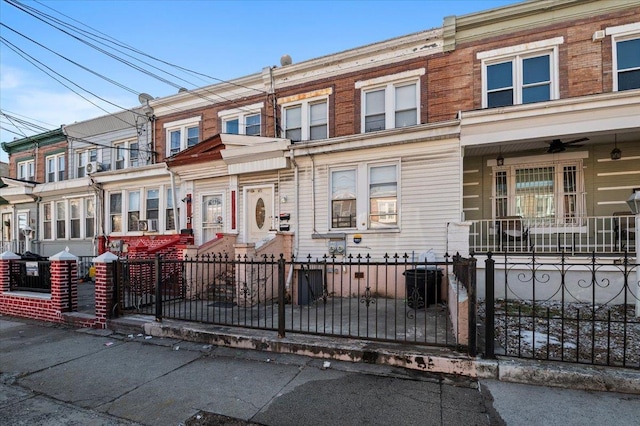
(391, 101)
(170, 223)
(89, 218)
(520, 74)
(545, 191)
(153, 204)
(626, 62)
(55, 168)
(306, 120)
(47, 221)
(242, 121)
(74, 217)
(133, 212)
(182, 134)
(127, 154)
(84, 157)
(115, 212)
(61, 215)
(26, 170)
(377, 196)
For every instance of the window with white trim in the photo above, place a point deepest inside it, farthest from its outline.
(306, 120)
(68, 219)
(390, 106)
(133, 211)
(242, 121)
(152, 203)
(626, 62)
(61, 219)
(374, 197)
(84, 157)
(75, 218)
(55, 167)
(89, 218)
(169, 218)
(26, 170)
(521, 74)
(126, 154)
(550, 191)
(140, 204)
(182, 134)
(47, 220)
(115, 212)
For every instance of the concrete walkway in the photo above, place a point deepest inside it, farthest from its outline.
(53, 375)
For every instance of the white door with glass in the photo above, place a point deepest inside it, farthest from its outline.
(259, 212)
(212, 216)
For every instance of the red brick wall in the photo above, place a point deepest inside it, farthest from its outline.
(40, 163)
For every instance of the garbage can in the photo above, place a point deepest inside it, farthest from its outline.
(27, 255)
(423, 287)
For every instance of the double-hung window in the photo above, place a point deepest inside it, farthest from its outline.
(152, 203)
(55, 167)
(115, 211)
(89, 218)
(26, 170)
(547, 192)
(170, 222)
(68, 219)
(47, 221)
(305, 117)
(83, 158)
(242, 121)
(520, 74)
(61, 219)
(626, 56)
(391, 101)
(127, 154)
(365, 191)
(74, 218)
(182, 134)
(133, 211)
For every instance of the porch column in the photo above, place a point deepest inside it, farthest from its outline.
(64, 282)
(104, 287)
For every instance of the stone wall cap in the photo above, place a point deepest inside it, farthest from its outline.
(63, 255)
(9, 255)
(106, 257)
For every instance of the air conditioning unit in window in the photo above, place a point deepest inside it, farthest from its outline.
(93, 167)
(149, 225)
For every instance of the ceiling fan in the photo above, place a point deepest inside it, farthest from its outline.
(557, 145)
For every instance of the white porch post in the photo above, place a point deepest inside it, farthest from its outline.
(634, 205)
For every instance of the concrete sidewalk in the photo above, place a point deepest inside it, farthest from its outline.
(51, 374)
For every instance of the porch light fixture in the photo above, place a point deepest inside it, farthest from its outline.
(616, 154)
(500, 159)
(634, 201)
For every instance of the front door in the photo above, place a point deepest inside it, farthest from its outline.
(212, 216)
(259, 212)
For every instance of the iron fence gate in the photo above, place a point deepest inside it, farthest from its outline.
(390, 300)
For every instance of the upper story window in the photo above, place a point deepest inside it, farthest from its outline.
(391, 101)
(520, 74)
(83, 158)
(626, 56)
(145, 209)
(306, 117)
(365, 191)
(26, 170)
(182, 134)
(55, 167)
(126, 154)
(242, 121)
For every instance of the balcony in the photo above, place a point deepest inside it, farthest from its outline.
(514, 234)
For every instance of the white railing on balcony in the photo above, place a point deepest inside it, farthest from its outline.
(602, 234)
(12, 246)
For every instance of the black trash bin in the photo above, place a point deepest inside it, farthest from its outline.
(27, 255)
(423, 287)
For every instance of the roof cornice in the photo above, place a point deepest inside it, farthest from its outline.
(42, 139)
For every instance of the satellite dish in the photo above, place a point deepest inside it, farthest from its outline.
(182, 90)
(143, 98)
(285, 60)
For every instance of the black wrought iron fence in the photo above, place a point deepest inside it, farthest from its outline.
(30, 275)
(393, 299)
(575, 309)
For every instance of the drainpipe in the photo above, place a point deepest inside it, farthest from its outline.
(296, 208)
(176, 219)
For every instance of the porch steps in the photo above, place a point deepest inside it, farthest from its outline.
(79, 319)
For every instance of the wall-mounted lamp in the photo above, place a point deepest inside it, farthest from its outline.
(283, 199)
(187, 199)
(616, 154)
(500, 159)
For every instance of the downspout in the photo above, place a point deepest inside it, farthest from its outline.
(296, 208)
(313, 194)
(176, 219)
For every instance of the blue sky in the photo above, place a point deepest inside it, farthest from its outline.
(222, 39)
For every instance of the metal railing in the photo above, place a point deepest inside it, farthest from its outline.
(578, 309)
(389, 300)
(30, 275)
(602, 234)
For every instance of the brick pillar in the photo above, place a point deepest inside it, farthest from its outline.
(64, 282)
(104, 287)
(5, 270)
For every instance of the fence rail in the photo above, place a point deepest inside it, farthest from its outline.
(30, 275)
(390, 300)
(577, 309)
(602, 234)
